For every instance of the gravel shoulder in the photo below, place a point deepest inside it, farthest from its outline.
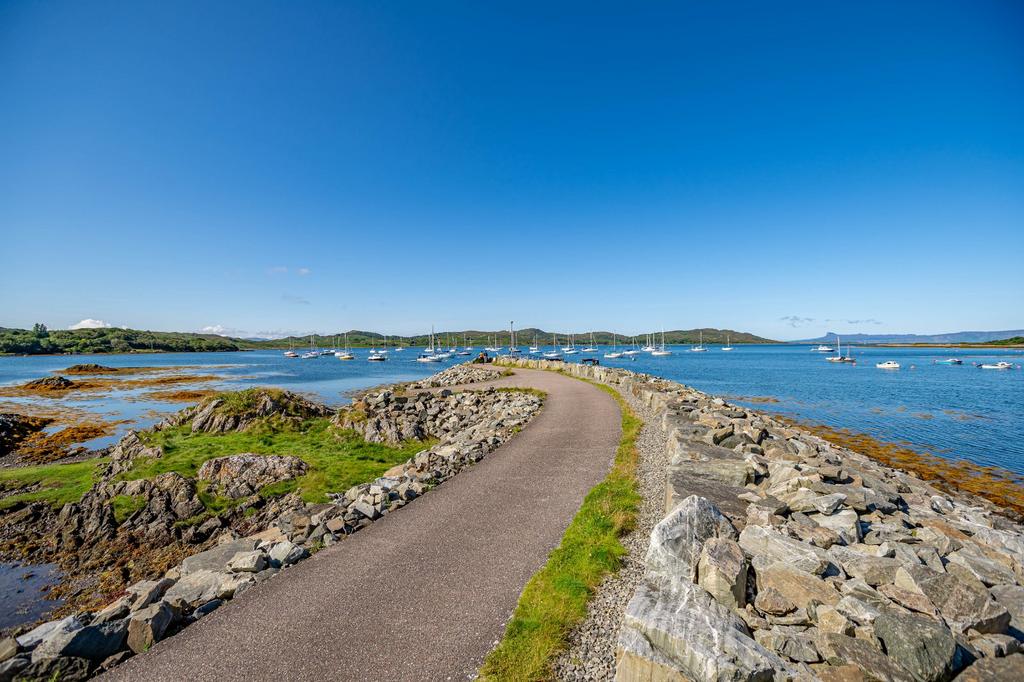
(591, 651)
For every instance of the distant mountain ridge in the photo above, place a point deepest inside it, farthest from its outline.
(952, 337)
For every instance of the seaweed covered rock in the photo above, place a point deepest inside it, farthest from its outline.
(15, 428)
(243, 475)
(240, 410)
(57, 383)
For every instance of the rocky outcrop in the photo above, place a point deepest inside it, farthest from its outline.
(57, 383)
(243, 475)
(455, 375)
(854, 570)
(239, 411)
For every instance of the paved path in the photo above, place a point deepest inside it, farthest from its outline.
(422, 594)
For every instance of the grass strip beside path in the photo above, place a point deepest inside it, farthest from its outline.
(556, 597)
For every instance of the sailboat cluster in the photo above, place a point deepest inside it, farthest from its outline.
(436, 351)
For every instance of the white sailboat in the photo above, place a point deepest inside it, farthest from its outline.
(839, 357)
(290, 353)
(728, 344)
(554, 352)
(699, 348)
(313, 353)
(592, 348)
(649, 347)
(345, 354)
(465, 348)
(661, 351)
(429, 353)
(534, 349)
(613, 354)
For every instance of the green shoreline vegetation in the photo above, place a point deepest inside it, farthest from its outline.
(42, 341)
(556, 597)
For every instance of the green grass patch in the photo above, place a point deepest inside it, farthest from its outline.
(338, 458)
(556, 597)
(126, 505)
(58, 483)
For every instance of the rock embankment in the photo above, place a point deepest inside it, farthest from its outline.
(239, 411)
(457, 375)
(783, 557)
(271, 536)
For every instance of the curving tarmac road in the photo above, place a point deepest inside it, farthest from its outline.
(423, 594)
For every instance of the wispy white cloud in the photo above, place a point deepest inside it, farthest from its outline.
(277, 333)
(796, 320)
(292, 298)
(302, 272)
(223, 331)
(278, 270)
(89, 323)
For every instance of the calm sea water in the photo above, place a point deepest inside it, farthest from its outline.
(954, 411)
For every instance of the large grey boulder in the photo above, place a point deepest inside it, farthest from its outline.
(770, 544)
(677, 540)
(799, 587)
(198, 588)
(871, 569)
(924, 647)
(92, 642)
(673, 627)
(963, 604)
(34, 637)
(839, 650)
(1011, 598)
(148, 626)
(995, 670)
(217, 558)
(722, 571)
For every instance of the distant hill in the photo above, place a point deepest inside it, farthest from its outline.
(953, 337)
(1012, 341)
(114, 340)
(524, 337)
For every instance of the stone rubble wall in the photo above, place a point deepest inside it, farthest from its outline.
(783, 557)
(469, 425)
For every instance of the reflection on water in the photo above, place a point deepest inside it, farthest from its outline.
(21, 588)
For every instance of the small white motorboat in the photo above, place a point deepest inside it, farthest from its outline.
(888, 364)
(822, 349)
(428, 357)
(998, 365)
(291, 354)
(950, 361)
(377, 357)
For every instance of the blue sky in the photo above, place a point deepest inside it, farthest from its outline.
(261, 167)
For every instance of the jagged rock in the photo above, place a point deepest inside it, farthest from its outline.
(1011, 598)
(795, 645)
(92, 642)
(247, 562)
(844, 523)
(147, 592)
(677, 540)
(986, 570)
(799, 587)
(919, 644)
(963, 606)
(113, 611)
(35, 636)
(994, 670)
(722, 571)
(829, 619)
(774, 546)
(63, 668)
(673, 627)
(147, 627)
(9, 648)
(217, 558)
(771, 601)
(244, 474)
(55, 383)
(202, 586)
(286, 553)
(839, 649)
(872, 570)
